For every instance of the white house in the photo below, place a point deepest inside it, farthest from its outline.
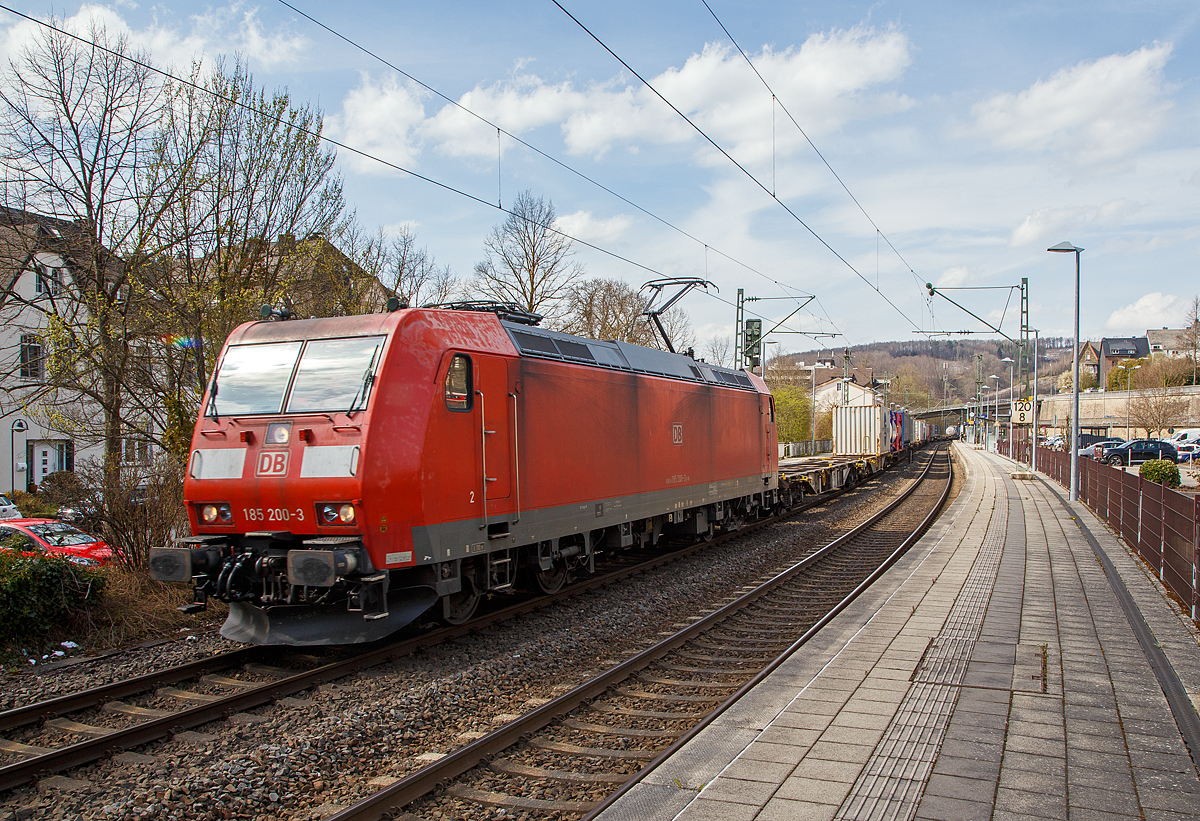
(33, 274)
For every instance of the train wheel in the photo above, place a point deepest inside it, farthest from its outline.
(458, 608)
(552, 580)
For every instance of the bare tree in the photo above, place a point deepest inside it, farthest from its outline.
(612, 309)
(1157, 408)
(528, 261)
(254, 229)
(412, 273)
(606, 309)
(266, 176)
(77, 144)
(1191, 333)
(718, 350)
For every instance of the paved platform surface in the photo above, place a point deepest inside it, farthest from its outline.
(990, 674)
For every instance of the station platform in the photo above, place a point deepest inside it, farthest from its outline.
(994, 672)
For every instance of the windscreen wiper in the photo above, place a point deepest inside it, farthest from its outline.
(368, 378)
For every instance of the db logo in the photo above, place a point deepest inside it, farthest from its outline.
(677, 434)
(272, 463)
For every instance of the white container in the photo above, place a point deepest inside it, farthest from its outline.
(859, 431)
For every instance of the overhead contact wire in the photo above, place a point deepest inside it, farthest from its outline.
(740, 167)
(808, 139)
(325, 139)
(530, 146)
(358, 152)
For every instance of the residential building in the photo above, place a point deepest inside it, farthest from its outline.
(1174, 343)
(1113, 351)
(37, 267)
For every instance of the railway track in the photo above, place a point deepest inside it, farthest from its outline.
(576, 753)
(62, 733)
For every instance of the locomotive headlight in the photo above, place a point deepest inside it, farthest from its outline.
(216, 514)
(279, 433)
(336, 513)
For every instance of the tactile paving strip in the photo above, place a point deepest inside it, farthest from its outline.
(890, 785)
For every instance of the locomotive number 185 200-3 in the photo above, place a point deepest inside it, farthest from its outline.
(272, 514)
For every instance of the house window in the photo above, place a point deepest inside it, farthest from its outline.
(49, 280)
(135, 451)
(65, 456)
(31, 357)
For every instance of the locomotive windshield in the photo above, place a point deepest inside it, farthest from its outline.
(325, 375)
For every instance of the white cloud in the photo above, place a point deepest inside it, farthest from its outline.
(1154, 310)
(583, 225)
(219, 30)
(954, 277)
(1092, 113)
(1051, 224)
(1047, 222)
(826, 82)
(382, 118)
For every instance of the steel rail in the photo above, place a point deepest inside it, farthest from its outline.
(75, 755)
(758, 678)
(423, 781)
(53, 707)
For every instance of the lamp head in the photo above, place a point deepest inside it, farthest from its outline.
(1064, 248)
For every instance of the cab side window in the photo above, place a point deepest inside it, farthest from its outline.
(458, 383)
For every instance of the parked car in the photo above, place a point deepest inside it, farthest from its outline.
(8, 510)
(1096, 450)
(53, 536)
(1184, 435)
(1136, 451)
(1187, 451)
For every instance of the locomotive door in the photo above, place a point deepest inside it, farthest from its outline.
(767, 404)
(494, 411)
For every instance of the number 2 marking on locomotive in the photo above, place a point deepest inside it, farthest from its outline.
(472, 497)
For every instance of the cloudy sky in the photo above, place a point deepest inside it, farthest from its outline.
(972, 136)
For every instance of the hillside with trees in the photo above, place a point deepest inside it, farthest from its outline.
(923, 373)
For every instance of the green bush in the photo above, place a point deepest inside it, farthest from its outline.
(38, 592)
(1161, 472)
(33, 505)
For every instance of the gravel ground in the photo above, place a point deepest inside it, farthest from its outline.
(306, 757)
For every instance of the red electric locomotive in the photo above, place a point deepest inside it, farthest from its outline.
(349, 474)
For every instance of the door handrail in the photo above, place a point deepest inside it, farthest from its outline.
(483, 432)
(516, 458)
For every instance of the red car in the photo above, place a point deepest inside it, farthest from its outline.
(53, 536)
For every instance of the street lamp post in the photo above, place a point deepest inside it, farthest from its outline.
(1068, 248)
(1128, 393)
(813, 429)
(996, 418)
(1009, 360)
(983, 414)
(1036, 427)
(18, 426)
